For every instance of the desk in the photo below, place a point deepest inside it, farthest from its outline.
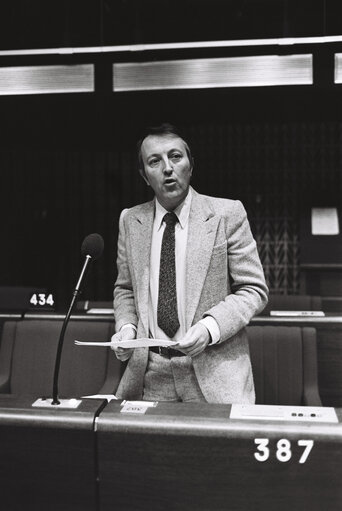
(193, 457)
(47, 460)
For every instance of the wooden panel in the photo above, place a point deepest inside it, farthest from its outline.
(47, 457)
(187, 456)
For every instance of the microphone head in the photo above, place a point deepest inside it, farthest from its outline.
(92, 246)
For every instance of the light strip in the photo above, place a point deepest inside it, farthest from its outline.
(46, 79)
(256, 71)
(282, 41)
(338, 68)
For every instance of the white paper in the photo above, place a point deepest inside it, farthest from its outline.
(109, 397)
(148, 404)
(133, 343)
(324, 221)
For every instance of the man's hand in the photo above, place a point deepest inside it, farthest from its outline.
(125, 334)
(195, 341)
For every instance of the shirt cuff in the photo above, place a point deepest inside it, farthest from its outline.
(211, 324)
(128, 325)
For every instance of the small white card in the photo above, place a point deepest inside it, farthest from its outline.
(137, 406)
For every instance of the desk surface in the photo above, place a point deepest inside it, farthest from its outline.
(203, 418)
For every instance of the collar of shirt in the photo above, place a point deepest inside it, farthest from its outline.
(182, 211)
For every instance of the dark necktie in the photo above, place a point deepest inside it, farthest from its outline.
(167, 297)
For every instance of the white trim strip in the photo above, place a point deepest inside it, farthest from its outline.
(282, 41)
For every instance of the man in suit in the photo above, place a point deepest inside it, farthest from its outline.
(188, 270)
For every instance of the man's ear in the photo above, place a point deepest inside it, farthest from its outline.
(192, 163)
(145, 179)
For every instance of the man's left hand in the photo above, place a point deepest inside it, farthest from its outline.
(195, 341)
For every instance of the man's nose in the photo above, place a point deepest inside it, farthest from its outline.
(167, 168)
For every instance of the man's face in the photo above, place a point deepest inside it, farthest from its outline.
(167, 168)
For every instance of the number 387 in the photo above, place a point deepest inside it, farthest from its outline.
(283, 452)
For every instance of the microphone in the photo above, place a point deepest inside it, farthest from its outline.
(91, 249)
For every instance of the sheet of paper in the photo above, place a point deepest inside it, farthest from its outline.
(324, 221)
(109, 397)
(133, 343)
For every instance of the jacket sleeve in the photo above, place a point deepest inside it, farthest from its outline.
(249, 292)
(124, 304)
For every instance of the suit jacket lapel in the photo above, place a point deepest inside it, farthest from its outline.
(140, 238)
(201, 238)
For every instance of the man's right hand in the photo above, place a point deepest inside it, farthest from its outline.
(125, 334)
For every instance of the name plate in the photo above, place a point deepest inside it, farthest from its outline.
(284, 413)
(137, 406)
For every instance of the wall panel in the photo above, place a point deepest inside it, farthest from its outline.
(51, 199)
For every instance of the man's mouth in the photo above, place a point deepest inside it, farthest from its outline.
(169, 181)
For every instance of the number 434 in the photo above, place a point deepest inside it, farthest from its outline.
(41, 299)
(283, 452)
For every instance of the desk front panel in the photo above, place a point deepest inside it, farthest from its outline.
(47, 460)
(193, 457)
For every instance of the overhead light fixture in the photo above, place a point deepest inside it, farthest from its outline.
(257, 71)
(338, 68)
(46, 79)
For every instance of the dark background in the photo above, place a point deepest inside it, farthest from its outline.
(67, 161)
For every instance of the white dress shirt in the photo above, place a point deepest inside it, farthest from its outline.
(181, 236)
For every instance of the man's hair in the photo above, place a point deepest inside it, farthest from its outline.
(164, 129)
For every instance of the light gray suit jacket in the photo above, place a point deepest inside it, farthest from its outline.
(225, 280)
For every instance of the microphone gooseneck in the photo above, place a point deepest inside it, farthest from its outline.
(92, 248)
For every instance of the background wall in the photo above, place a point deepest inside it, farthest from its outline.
(67, 162)
(67, 169)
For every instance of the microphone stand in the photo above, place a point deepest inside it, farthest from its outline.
(55, 400)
